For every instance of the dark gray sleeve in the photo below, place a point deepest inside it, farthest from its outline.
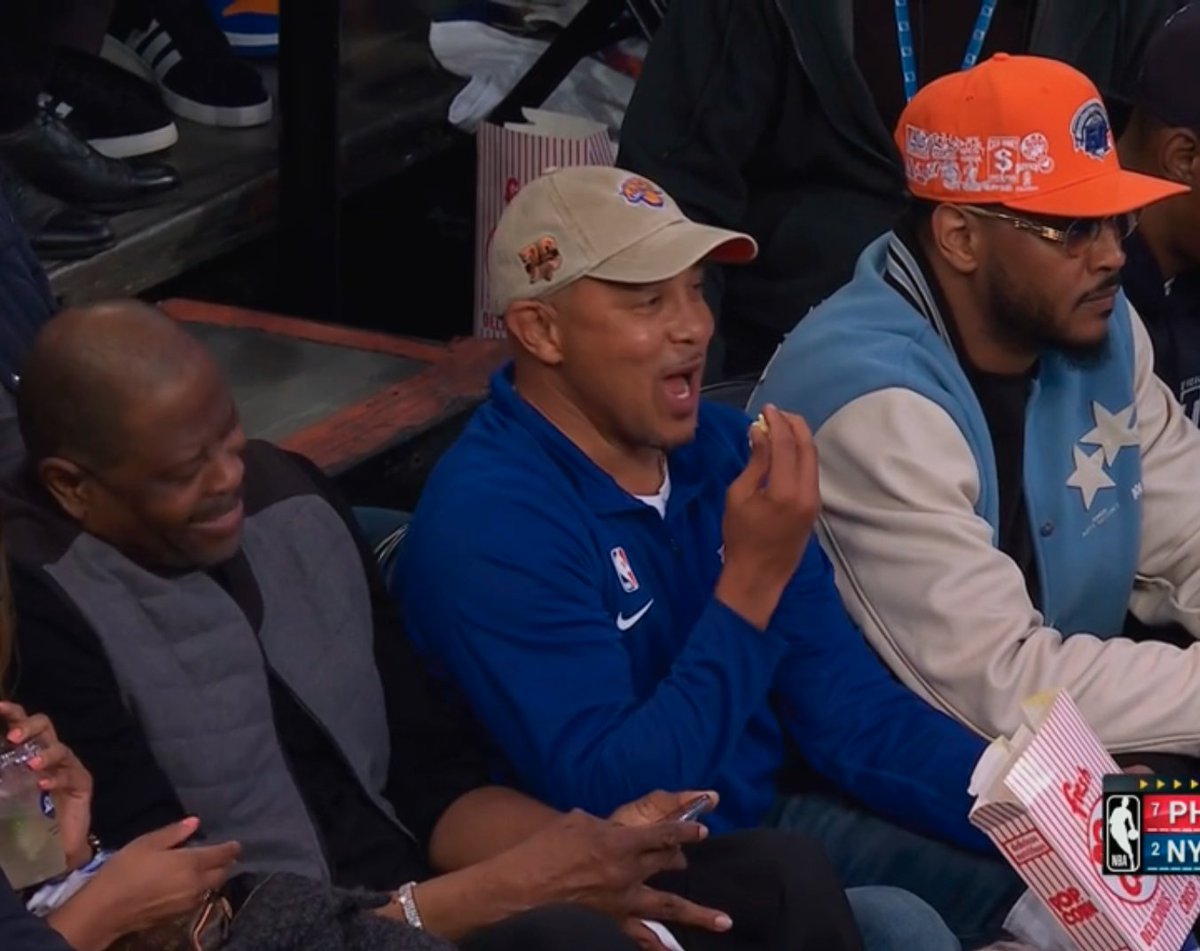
(21, 931)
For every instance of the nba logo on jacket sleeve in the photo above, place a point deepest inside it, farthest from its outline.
(624, 572)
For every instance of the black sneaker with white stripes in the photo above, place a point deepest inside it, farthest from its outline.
(178, 45)
(117, 114)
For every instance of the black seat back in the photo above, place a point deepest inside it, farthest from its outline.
(735, 393)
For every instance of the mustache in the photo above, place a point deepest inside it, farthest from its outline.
(1109, 285)
(215, 508)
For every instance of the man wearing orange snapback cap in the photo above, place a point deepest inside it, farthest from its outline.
(1003, 477)
(774, 117)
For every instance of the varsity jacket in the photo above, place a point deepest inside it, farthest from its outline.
(908, 485)
(583, 629)
(754, 115)
(168, 686)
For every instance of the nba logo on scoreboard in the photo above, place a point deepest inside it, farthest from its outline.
(1122, 834)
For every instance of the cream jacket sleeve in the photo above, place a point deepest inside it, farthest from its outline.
(1168, 587)
(949, 613)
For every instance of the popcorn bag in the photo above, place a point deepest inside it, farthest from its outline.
(510, 157)
(1039, 799)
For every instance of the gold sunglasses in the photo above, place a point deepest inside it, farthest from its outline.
(1074, 236)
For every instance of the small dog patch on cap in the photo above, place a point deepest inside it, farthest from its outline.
(541, 259)
(639, 191)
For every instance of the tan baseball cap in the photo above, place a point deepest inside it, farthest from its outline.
(602, 222)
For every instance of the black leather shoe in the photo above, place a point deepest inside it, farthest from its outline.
(52, 157)
(56, 231)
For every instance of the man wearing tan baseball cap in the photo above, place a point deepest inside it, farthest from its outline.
(645, 606)
(575, 227)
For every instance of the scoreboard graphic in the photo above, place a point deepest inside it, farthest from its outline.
(1151, 825)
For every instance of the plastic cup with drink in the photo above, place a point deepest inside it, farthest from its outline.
(31, 849)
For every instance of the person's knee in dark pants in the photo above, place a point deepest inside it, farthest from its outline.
(553, 928)
(779, 888)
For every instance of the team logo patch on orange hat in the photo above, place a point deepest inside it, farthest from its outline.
(541, 259)
(639, 191)
(1035, 147)
(1090, 130)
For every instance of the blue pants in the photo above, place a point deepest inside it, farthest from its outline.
(971, 893)
(891, 919)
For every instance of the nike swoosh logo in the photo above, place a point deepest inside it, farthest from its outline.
(625, 623)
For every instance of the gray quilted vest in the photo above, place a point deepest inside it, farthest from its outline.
(194, 673)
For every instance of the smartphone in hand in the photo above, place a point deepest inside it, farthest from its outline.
(693, 810)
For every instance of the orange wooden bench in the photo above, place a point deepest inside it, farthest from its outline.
(372, 409)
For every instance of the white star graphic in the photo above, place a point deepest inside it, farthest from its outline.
(1113, 432)
(1089, 476)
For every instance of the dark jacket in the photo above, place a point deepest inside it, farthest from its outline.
(754, 115)
(21, 931)
(25, 299)
(25, 305)
(1172, 318)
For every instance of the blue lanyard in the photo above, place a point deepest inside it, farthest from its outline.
(908, 56)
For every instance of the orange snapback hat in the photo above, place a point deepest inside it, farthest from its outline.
(1023, 131)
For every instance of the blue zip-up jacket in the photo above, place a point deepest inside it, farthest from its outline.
(583, 629)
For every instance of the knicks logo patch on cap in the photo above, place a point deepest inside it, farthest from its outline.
(1090, 130)
(639, 191)
(541, 259)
